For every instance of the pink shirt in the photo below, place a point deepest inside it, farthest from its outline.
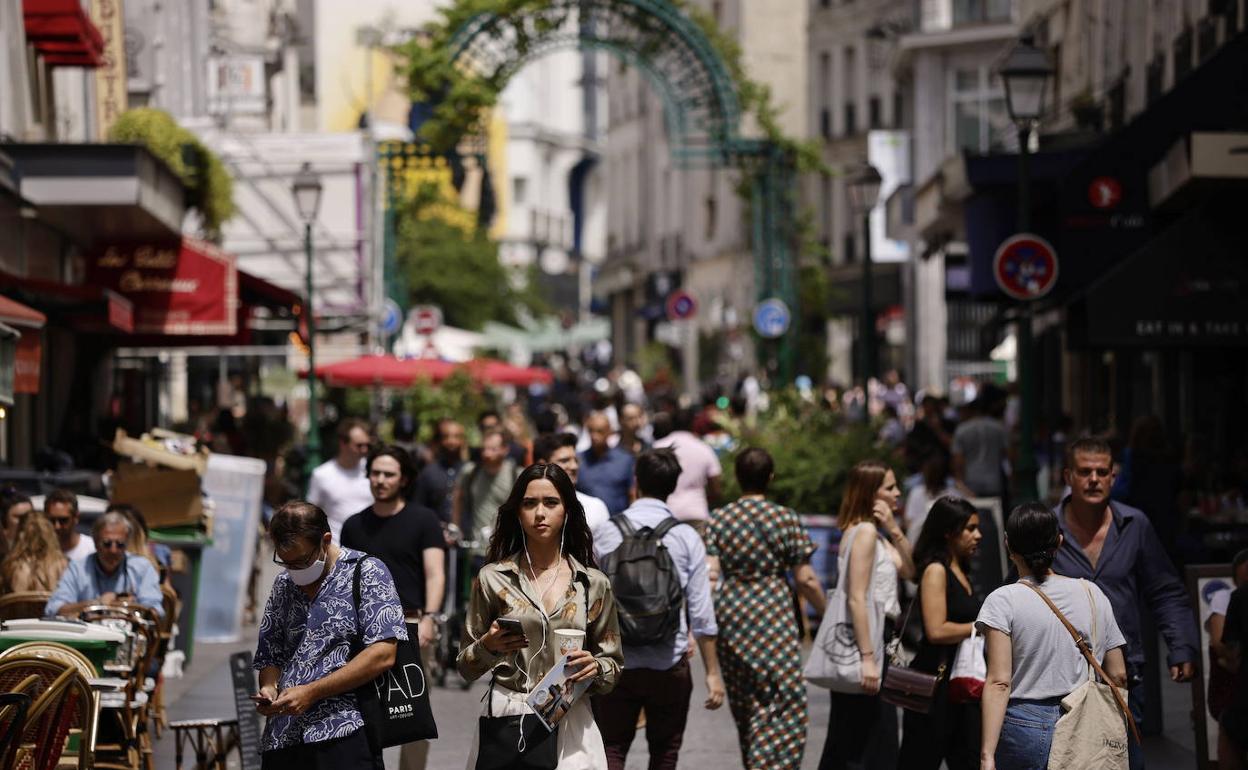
(698, 465)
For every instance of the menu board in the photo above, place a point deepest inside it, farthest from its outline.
(244, 681)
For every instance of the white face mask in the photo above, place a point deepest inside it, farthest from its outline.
(309, 574)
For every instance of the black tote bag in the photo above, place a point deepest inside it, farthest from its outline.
(502, 738)
(395, 705)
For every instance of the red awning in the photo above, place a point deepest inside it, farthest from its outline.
(88, 308)
(188, 288)
(62, 32)
(256, 291)
(16, 313)
(388, 371)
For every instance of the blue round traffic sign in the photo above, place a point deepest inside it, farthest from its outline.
(391, 317)
(681, 306)
(772, 318)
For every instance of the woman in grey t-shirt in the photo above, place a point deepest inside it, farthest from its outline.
(1032, 660)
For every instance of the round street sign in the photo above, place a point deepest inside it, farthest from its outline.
(426, 318)
(772, 318)
(1025, 266)
(681, 306)
(391, 317)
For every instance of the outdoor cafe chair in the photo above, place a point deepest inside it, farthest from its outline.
(128, 709)
(23, 604)
(60, 702)
(13, 708)
(68, 655)
(168, 633)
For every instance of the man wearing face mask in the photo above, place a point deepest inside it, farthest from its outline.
(307, 672)
(108, 576)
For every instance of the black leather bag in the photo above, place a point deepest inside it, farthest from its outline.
(515, 742)
(395, 705)
(909, 688)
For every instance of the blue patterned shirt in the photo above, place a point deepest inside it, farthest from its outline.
(309, 639)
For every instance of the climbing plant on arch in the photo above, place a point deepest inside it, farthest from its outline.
(462, 63)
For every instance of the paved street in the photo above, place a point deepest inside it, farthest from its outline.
(710, 740)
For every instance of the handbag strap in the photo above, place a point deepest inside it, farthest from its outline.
(357, 642)
(1082, 644)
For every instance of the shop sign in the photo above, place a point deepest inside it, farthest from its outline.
(189, 288)
(236, 85)
(111, 97)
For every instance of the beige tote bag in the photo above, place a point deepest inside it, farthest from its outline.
(1091, 733)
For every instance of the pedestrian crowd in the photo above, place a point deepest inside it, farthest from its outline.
(611, 551)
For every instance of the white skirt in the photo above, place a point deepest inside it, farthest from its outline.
(580, 743)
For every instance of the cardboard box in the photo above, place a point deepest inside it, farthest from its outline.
(166, 497)
(150, 451)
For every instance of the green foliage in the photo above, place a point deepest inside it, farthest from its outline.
(813, 449)
(210, 188)
(459, 397)
(458, 271)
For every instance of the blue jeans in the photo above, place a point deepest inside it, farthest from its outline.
(1135, 702)
(1027, 734)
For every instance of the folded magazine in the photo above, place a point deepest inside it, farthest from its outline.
(554, 695)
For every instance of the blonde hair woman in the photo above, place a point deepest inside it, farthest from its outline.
(863, 728)
(35, 561)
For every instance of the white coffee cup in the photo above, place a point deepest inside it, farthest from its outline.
(569, 640)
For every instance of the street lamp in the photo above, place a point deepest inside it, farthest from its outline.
(306, 189)
(1026, 71)
(863, 184)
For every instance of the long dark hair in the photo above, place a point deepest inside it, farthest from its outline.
(1032, 533)
(508, 537)
(948, 516)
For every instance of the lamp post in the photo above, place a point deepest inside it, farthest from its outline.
(306, 189)
(863, 185)
(1026, 71)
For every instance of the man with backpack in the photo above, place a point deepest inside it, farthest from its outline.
(657, 567)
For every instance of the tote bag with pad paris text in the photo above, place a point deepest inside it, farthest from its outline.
(1091, 733)
(835, 661)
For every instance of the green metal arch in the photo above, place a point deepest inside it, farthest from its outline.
(700, 101)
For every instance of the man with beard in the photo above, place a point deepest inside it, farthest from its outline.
(407, 537)
(436, 483)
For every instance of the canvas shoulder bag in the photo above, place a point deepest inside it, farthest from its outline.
(395, 705)
(1091, 733)
(835, 662)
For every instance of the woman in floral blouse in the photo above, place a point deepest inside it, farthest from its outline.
(307, 673)
(540, 570)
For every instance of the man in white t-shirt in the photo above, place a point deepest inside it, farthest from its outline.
(340, 486)
(61, 508)
(560, 449)
(698, 485)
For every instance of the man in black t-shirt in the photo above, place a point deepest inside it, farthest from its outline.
(1233, 737)
(408, 538)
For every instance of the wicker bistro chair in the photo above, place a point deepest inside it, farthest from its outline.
(60, 702)
(129, 709)
(168, 634)
(23, 604)
(69, 656)
(13, 708)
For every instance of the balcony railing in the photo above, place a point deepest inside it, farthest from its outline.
(942, 15)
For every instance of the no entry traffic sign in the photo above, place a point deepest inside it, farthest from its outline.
(681, 306)
(426, 318)
(1025, 266)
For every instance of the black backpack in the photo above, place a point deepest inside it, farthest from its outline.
(647, 586)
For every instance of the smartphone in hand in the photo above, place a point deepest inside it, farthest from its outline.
(511, 626)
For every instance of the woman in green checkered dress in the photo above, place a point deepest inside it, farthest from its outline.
(751, 544)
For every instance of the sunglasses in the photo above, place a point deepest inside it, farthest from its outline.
(119, 545)
(303, 564)
(61, 521)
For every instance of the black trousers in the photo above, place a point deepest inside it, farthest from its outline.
(349, 753)
(862, 734)
(949, 732)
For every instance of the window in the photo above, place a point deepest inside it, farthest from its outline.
(851, 123)
(875, 119)
(850, 256)
(519, 190)
(978, 120)
(825, 123)
(982, 11)
(825, 206)
(899, 110)
(849, 91)
(825, 79)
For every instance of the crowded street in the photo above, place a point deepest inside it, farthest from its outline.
(622, 384)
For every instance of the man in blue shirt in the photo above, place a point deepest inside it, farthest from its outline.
(101, 578)
(1116, 547)
(606, 471)
(656, 677)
